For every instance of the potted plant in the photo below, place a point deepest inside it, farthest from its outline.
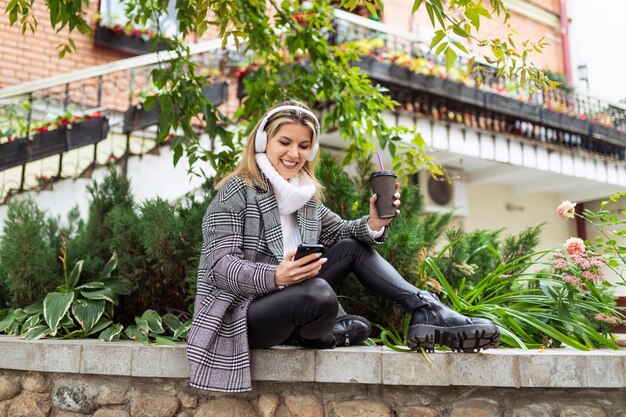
(13, 153)
(216, 92)
(132, 40)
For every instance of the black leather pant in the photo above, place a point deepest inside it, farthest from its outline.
(310, 307)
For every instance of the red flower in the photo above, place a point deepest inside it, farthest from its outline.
(42, 129)
(118, 30)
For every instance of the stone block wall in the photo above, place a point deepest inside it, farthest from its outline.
(43, 394)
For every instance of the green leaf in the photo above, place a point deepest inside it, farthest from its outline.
(72, 280)
(55, 306)
(112, 333)
(450, 58)
(37, 332)
(100, 326)
(133, 333)
(437, 38)
(154, 321)
(34, 309)
(109, 267)
(171, 321)
(416, 5)
(164, 340)
(93, 285)
(7, 321)
(181, 332)
(87, 313)
(103, 294)
(118, 285)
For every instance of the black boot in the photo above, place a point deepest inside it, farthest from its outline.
(351, 330)
(434, 322)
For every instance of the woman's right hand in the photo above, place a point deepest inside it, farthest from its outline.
(291, 272)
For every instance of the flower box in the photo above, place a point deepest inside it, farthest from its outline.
(399, 74)
(135, 45)
(13, 154)
(552, 119)
(608, 134)
(48, 143)
(417, 81)
(470, 95)
(531, 112)
(380, 70)
(217, 93)
(503, 104)
(137, 118)
(436, 86)
(241, 88)
(575, 124)
(364, 62)
(87, 132)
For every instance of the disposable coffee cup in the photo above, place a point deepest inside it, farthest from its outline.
(384, 186)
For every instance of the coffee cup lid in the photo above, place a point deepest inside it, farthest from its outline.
(385, 173)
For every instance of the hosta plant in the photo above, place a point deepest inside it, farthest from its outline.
(72, 310)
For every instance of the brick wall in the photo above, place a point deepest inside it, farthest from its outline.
(32, 56)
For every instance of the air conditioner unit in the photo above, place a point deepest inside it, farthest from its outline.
(445, 193)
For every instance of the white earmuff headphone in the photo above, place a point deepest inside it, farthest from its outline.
(260, 140)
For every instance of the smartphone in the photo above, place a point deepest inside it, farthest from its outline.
(305, 249)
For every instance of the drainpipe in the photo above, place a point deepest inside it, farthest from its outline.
(565, 41)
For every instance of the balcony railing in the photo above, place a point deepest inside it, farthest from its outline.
(40, 141)
(418, 80)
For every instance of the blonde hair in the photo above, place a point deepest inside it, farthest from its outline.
(248, 169)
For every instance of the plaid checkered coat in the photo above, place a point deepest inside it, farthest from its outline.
(243, 245)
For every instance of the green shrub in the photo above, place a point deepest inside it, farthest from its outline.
(157, 243)
(28, 254)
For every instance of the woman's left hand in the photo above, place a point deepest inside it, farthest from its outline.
(374, 222)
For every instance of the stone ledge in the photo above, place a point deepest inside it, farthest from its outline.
(567, 368)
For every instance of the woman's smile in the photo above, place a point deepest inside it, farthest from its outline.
(289, 149)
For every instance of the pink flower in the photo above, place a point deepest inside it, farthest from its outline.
(566, 209)
(572, 280)
(605, 318)
(574, 246)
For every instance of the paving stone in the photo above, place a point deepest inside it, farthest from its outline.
(72, 399)
(418, 412)
(581, 411)
(113, 394)
(39, 355)
(344, 365)
(532, 410)
(9, 387)
(96, 359)
(304, 406)
(267, 405)
(188, 400)
(30, 405)
(283, 363)
(358, 408)
(4, 408)
(553, 370)
(401, 368)
(172, 361)
(226, 407)
(476, 408)
(36, 382)
(154, 406)
(282, 411)
(105, 412)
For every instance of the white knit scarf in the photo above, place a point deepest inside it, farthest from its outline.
(290, 195)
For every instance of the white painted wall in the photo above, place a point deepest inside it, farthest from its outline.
(150, 176)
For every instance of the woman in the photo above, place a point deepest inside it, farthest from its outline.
(251, 291)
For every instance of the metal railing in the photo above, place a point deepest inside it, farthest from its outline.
(111, 88)
(350, 27)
